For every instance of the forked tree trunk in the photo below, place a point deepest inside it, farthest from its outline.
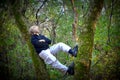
(39, 65)
(86, 40)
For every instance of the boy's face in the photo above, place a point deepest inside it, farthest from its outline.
(36, 30)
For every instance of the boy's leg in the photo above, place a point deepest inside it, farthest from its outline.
(63, 47)
(51, 60)
(59, 47)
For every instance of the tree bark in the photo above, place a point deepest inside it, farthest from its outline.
(40, 67)
(86, 40)
(75, 23)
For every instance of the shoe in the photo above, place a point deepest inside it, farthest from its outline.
(75, 51)
(71, 69)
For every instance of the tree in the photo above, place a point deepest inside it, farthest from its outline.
(38, 63)
(86, 41)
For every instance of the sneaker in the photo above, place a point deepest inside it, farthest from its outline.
(75, 51)
(71, 69)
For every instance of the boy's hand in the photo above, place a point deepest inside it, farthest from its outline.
(42, 40)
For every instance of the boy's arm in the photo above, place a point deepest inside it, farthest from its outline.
(38, 43)
(42, 40)
(47, 40)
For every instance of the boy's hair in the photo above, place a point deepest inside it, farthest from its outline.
(31, 29)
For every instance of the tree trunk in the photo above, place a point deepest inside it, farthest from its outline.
(86, 40)
(39, 65)
(53, 33)
(75, 23)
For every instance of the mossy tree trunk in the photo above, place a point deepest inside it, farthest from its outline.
(86, 41)
(40, 67)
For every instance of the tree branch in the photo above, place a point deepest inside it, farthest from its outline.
(39, 10)
(110, 18)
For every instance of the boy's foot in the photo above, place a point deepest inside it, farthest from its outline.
(71, 69)
(75, 51)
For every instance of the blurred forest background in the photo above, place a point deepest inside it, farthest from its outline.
(92, 24)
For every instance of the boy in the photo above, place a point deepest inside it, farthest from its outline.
(41, 45)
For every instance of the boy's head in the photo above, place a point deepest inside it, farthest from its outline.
(34, 30)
